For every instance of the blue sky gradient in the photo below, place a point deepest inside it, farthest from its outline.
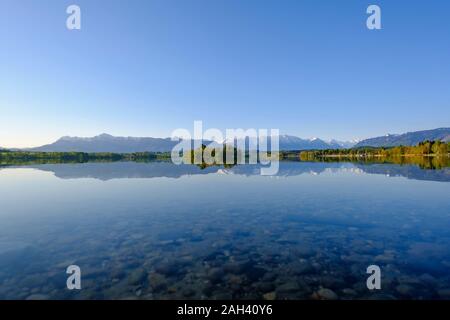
(144, 68)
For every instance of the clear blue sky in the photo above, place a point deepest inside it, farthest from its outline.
(144, 68)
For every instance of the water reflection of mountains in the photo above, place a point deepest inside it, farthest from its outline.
(121, 170)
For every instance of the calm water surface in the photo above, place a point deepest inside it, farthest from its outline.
(160, 231)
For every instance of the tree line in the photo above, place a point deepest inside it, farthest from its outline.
(20, 157)
(425, 148)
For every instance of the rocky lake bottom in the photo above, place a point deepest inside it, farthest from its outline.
(225, 235)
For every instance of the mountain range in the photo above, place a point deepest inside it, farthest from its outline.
(295, 143)
(407, 139)
(109, 143)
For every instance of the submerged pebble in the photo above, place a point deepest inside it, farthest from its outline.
(325, 294)
(137, 276)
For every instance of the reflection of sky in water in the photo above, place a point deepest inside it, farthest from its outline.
(180, 232)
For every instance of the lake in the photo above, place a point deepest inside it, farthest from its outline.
(161, 231)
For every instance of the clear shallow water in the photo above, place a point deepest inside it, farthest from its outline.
(159, 231)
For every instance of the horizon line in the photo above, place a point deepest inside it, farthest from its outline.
(159, 137)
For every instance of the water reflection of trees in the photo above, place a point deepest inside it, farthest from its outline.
(424, 162)
(126, 170)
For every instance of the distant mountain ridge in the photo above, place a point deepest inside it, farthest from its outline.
(109, 143)
(288, 142)
(407, 139)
